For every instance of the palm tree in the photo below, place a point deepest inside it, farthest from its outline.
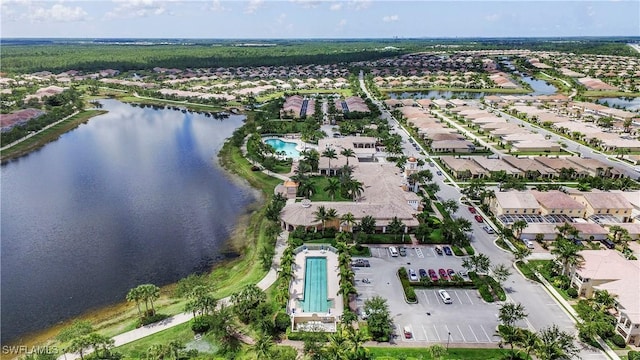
(528, 341)
(149, 293)
(566, 253)
(332, 214)
(395, 227)
(450, 206)
(509, 335)
(312, 157)
(348, 219)
(348, 153)
(320, 215)
(263, 347)
(306, 188)
(337, 347)
(368, 224)
(510, 313)
(135, 295)
(522, 253)
(332, 187)
(555, 344)
(437, 351)
(604, 300)
(518, 226)
(355, 189)
(329, 153)
(356, 342)
(501, 273)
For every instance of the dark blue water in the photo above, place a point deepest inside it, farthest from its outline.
(133, 196)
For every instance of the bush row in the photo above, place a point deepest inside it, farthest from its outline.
(409, 292)
(483, 287)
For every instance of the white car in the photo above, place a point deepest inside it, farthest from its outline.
(444, 295)
(412, 275)
(528, 243)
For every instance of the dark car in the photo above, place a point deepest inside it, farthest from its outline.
(433, 275)
(443, 273)
(360, 263)
(422, 272)
(439, 173)
(403, 251)
(451, 273)
(479, 218)
(472, 209)
(447, 250)
(438, 250)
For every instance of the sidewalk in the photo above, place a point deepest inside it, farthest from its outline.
(175, 320)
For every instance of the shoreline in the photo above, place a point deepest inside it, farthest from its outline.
(116, 318)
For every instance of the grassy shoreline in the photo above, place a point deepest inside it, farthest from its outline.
(490, 90)
(228, 276)
(52, 134)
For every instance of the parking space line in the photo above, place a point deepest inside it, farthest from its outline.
(474, 334)
(455, 292)
(467, 293)
(485, 333)
(461, 334)
(436, 296)
(425, 333)
(436, 330)
(419, 252)
(426, 297)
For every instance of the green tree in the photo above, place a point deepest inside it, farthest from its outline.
(437, 351)
(566, 253)
(518, 226)
(501, 273)
(395, 227)
(510, 313)
(555, 344)
(510, 336)
(201, 301)
(321, 215)
(329, 154)
(379, 318)
(477, 263)
(264, 347)
(78, 328)
(348, 219)
(348, 153)
(450, 206)
(247, 301)
(332, 187)
(368, 224)
(135, 295)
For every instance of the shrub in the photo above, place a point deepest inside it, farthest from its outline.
(282, 321)
(469, 249)
(411, 294)
(200, 325)
(485, 293)
(151, 319)
(633, 355)
(572, 292)
(618, 341)
(457, 251)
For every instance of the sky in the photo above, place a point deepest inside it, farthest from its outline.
(264, 19)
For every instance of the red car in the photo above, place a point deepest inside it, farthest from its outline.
(479, 218)
(432, 275)
(443, 273)
(472, 209)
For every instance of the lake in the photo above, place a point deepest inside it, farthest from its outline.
(133, 196)
(631, 104)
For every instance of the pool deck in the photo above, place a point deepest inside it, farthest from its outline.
(300, 145)
(297, 283)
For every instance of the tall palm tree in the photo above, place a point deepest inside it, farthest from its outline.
(528, 342)
(357, 339)
(332, 214)
(604, 299)
(312, 157)
(555, 344)
(135, 295)
(355, 189)
(306, 188)
(566, 253)
(348, 219)
(348, 153)
(518, 226)
(368, 224)
(332, 187)
(329, 153)
(509, 335)
(337, 347)
(263, 347)
(321, 215)
(510, 313)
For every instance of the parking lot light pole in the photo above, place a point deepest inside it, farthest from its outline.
(448, 338)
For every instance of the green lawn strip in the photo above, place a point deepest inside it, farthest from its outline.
(138, 348)
(612, 93)
(389, 353)
(526, 270)
(162, 102)
(49, 135)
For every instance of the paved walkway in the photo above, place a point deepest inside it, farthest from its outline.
(139, 333)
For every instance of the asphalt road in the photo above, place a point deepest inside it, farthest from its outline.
(542, 309)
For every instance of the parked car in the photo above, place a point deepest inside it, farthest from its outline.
(463, 273)
(403, 251)
(444, 295)
(412, 275)
(423, 273)
(489, 229)
(577, 242)
(447, 250)
(439, 173)
(608, 243)
(433, 275)
(443, 274)
(360, 263)
(472, 209)
(451, 273)
(528, 243)
(479, 218)
(438, 250)
(407, 332)
(431, 164)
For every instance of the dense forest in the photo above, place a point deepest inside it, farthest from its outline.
(26, 56)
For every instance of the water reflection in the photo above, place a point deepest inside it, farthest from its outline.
(133, 196)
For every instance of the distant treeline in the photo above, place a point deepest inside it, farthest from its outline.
(57, 56)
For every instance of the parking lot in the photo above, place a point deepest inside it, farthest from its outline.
(468, 319)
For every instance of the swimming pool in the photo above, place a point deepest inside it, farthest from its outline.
(288, 147)
(315, 285)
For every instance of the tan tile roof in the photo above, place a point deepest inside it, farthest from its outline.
(516, 200)
(555, 199)
(606, 200)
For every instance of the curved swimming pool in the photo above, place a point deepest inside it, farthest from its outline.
(288, 147)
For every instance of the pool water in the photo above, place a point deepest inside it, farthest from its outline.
(315, 285)
(288, 147)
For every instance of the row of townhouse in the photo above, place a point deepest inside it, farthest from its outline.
(535, 167)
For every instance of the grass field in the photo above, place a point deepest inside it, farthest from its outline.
(320, 183)
(385, 353)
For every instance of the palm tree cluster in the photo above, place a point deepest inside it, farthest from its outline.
(596, 320)
(567, 254)
(146, 293)
(173, 350)
(101, 345)
(347, 275)
(547, 344)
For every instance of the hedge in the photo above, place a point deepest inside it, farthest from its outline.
(301, 335)
(457, 283)
(457, 250)
(409, 293)
(469, 249)
(618, 340)
(497, 289)
(633, 355)
(483, 287)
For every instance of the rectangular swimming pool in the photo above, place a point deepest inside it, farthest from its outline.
(315, 285)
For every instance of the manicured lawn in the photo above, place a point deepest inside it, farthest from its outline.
(320, 183)
(385, 353)
(137, 349)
